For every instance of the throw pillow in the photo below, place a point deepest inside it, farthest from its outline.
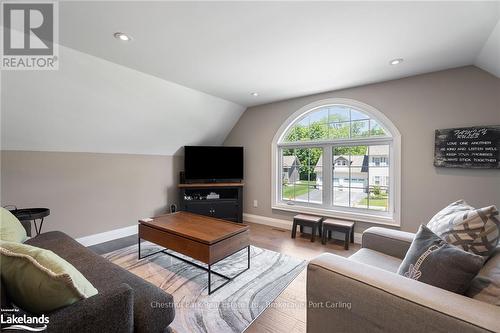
(38, 280)
(474, 230)
(433, 261)
(486, 285)
(10, 228)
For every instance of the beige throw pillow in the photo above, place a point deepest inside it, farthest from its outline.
(10, 228)
(474, 230)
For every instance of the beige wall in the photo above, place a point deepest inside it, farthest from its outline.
(89, 193)
(417, 106)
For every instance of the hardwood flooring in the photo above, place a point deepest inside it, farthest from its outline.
(287, 314)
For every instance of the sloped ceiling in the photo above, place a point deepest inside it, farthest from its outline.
(280, 49)
(93, 105)
(489, 57)
(187, 75)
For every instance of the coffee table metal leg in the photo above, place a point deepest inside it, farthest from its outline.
(208, 268)
(248, 254)
(138, 247)
(229, 279)
(209, 280)
(147, 255)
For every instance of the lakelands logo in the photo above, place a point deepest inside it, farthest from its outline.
(29, 35)
(10, 319)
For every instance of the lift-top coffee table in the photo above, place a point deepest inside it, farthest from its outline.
(203, 238)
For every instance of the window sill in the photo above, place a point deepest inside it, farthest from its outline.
(347, 215)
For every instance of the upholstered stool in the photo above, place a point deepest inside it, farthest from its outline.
(345, 227)
(307, 221)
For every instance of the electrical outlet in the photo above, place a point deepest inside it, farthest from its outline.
(255, 203)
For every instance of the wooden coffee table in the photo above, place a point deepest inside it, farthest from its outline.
(203, 238)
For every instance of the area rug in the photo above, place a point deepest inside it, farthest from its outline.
(229, 309)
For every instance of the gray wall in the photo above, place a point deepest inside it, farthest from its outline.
(89, 193)
(417, 106)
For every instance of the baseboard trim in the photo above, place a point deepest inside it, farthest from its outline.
(280, 223)
(107, 236)
(270, 221)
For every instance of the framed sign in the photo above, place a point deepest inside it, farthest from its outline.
(468, 147)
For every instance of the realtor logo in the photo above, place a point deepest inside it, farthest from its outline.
(29, 35)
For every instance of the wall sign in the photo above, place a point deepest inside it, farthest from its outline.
(468, 147)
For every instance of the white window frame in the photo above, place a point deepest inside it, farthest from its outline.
(391, 217)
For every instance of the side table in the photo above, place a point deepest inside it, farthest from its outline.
(32, 214)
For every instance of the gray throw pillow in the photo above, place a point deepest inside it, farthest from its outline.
(486, 285)
(433, 261)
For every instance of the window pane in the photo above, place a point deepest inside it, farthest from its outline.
(319, 116)
(341, 162)
(359, 197)
(315, 156)
(302, 174)
(341, 196)
(339, 130)
(290, 166)
(360, 128)
(376, 129)
(356, 115)
(287, 191)
(297, 133)
(379, 155)
(338, 114)
(318, 131)
(333, 122)
(301, 191)
(316, 176)
(358, 180)
(315, 194)
(361, 176)
(379, 198)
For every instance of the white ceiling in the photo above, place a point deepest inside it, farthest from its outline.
(282, 49)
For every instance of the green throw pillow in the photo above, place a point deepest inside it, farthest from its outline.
(38, 280)
(10, 228)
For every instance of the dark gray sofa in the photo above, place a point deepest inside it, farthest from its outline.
(125, 302)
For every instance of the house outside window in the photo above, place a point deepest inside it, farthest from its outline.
(338, 158)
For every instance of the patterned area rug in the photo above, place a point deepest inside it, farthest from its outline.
(229, 309)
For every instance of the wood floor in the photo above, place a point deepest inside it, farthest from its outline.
(287, 313)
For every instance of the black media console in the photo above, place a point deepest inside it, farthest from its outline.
(220, 200)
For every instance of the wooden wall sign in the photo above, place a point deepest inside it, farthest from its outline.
(468, 147)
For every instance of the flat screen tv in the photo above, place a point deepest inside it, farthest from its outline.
(213, 164)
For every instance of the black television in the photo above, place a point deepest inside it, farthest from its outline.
(213, 164)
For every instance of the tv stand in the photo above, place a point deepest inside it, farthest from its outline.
(228, 205)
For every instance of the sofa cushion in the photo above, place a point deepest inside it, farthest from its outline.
(486, 285)
(433, 261)
(11, 229)
(377, 259)
(153, 308)
(474, 230)
(40, 281)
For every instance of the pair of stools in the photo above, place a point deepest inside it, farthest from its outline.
(324, 226)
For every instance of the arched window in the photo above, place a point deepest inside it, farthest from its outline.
(338, 158)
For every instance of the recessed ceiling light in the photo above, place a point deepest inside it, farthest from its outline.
(396, 61)
(122, 36)
(255, 94)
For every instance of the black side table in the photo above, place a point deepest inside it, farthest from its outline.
(32, 214)
(346, 227)
(304, 220)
